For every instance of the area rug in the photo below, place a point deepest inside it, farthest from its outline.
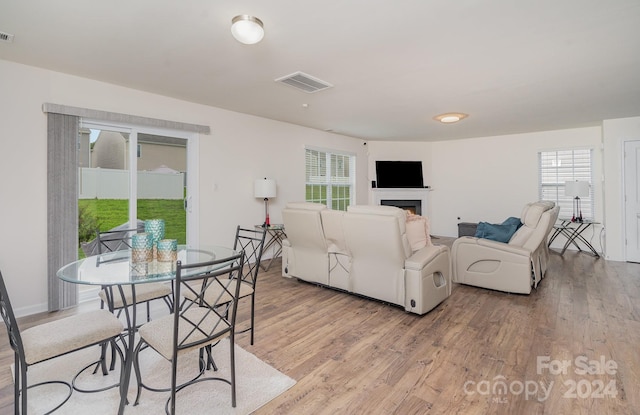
(257, 383)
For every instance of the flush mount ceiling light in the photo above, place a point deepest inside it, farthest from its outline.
(450, 117)
(247, 29)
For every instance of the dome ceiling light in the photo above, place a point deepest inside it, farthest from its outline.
(450, 117)
(247, 29)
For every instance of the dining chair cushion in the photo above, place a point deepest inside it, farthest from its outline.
(158, 333)
(245, 289)
(144, 292)
(58, 337)
(214, 290)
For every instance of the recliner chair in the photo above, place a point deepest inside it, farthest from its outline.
(514, 267)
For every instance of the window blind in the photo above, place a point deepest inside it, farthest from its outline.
(558, 167)
(329, 178)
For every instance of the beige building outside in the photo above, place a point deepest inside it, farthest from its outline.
(105, 166)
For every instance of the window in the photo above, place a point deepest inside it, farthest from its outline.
(329, 178)
(558, 167)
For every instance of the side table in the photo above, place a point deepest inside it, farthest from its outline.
(573, 232)
(275, 236)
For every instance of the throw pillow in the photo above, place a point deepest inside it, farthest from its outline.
(496, 232)
(418, 232)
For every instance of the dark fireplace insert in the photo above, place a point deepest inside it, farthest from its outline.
(413, 206)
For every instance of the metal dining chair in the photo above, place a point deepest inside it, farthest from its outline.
(194, 324)
(251, 241)
(120, 239)
(53, 339)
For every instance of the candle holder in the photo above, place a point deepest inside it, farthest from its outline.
(141, 247)
(167, 250)
(155, 227)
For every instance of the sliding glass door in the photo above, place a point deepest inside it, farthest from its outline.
(128, 174)
(103, 183)
(161, 182)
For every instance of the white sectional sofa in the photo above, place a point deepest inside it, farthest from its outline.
(364, 251)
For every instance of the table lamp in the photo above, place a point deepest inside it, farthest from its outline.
(265, 188)
(576, 189)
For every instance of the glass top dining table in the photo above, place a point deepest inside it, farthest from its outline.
(118, 268)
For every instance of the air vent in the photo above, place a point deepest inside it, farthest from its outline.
(6, 37)
(304, 82)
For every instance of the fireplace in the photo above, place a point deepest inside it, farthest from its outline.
(409, 199)
(413, 206)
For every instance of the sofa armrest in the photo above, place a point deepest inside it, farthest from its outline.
(491, 245)
(427, 278)
(423, 256)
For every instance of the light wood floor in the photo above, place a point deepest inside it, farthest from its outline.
(356, 356)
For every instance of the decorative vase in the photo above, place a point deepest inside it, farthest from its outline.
(155, 227)
(167, 250)
(142, 247)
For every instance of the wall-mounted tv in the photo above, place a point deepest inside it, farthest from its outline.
(399, 174)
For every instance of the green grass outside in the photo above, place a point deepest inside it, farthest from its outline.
(110, 213)
(318, 194)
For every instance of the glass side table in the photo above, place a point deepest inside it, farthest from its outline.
(273, 240)
(572, 231)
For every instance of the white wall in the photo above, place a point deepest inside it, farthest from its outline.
(240, 149)
(488, 178)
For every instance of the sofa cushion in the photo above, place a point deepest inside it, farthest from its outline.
(521, 236)
(532, 212)
(496, 232)
(418, 232)
(398, 213)
(378, 210)
(306, 206)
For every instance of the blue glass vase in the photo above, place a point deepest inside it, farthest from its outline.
(142, 247)
(155, 227)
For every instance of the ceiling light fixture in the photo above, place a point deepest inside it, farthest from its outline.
(247, 29)
(450, 117)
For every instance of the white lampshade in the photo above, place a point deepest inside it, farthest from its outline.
(576, 188)
(247, 29)
(264, 188)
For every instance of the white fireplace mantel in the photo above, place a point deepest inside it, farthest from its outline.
(402, 194)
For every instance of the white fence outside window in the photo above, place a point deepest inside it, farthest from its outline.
(98, 183)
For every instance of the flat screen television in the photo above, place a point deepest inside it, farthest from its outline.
(399, 174)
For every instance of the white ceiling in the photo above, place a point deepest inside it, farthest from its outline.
(514, 66)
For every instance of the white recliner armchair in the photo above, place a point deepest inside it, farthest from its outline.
(514, 267)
